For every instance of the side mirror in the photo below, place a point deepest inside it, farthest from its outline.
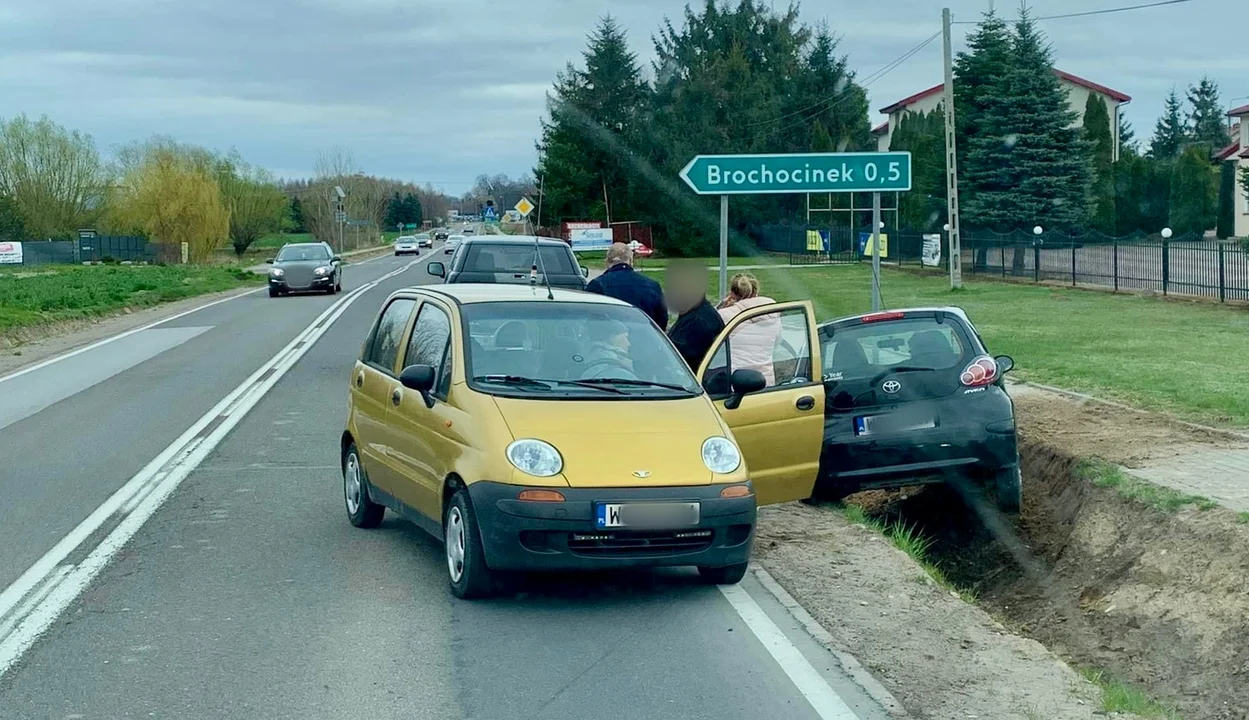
(744, 382)
(269, 261)
(585, 271)
(1004, 364)
(337, 259)
(436, 269)
(421, 379)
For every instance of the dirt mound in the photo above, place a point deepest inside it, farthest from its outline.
(1158, 600)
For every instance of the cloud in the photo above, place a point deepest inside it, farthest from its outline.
(442, 90)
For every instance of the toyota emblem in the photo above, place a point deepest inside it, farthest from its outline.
(891, 386)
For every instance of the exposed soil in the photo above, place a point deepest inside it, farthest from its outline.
(1159, 600)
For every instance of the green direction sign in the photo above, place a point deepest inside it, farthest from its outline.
(799, 173)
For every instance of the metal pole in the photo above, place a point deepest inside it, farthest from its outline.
(951, 158)
(876, 302)
(724, 247)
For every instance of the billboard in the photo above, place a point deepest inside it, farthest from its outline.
(932, 251)
(590, 239)
(10, 253)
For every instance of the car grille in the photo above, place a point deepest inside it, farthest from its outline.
(634, 542)
(299, 277)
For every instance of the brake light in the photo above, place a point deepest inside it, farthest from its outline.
(981, 372)
(877, 317)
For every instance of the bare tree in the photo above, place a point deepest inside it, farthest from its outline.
(54, 176)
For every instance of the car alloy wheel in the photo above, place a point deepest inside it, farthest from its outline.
(353, 486)
(455, 543)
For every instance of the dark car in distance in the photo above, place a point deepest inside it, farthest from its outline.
(913, 397)
(512, 260)
(305, 267)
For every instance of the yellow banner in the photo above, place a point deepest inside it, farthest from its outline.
(884, 246)
(815, 243)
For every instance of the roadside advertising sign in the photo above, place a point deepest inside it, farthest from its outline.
(10, 253)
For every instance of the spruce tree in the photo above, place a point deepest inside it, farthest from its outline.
(1097, 133)
(1127, 136)
(979, 77)
(1226, 225)
(1205, 116)
(1194, 192)
(923, 134)
(1169, 134)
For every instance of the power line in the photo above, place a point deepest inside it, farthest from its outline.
(1087, 13)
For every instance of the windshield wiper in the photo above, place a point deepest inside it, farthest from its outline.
(514, 381)
(635, 383)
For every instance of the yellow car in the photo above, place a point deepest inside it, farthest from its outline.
(538, 430)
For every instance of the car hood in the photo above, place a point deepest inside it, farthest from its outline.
(610, 443)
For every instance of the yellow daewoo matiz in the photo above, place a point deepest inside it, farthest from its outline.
(535, 430)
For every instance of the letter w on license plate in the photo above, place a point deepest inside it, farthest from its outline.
(646, 515)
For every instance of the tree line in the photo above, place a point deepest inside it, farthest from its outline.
(743, 78)
(55, 182)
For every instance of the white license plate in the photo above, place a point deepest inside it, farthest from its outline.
(872, 424)
(647, 515)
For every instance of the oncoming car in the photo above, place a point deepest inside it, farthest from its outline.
(305, 267)
(564, 432)
(424, 240)
(913, 398)
(407, 245)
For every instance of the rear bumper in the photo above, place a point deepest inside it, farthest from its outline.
(535, 536)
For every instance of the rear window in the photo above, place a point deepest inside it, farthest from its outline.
(862, 351)
(517, 258)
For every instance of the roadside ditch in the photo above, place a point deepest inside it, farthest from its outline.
(1143, 589)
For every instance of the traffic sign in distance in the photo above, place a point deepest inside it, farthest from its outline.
(798, 173)
(524, 207)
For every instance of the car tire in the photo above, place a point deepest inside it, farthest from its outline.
(338, 284)
(1008, 488)
(727, 575)
(361, 510)
(273, 292)
(463, 550)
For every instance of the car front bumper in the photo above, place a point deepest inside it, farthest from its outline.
(536, 536)
(318, 283)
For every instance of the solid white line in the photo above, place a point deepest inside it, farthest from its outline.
(157, 481)
(824, 700)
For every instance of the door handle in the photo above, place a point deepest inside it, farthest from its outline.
(396, 396)
(806, 402)
(360, 380)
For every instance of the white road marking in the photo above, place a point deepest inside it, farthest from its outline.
(60, 582)
(824, 700)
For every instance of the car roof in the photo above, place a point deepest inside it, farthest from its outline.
(474, 293)
(517, 240)
(949, 310)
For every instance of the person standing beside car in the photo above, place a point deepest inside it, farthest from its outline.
(622, 282)
(755, 340)
(698, 324)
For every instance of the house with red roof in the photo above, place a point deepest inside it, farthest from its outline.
(1238, 152)
(1078, 91)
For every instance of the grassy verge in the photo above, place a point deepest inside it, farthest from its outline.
(1181, 356)
(1120, 698)
(1107, 475)
(52, 293)
(909, 540)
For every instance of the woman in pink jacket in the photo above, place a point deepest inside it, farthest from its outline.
(753, 342)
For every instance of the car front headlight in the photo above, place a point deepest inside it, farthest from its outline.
(277, 272)
(323, 271)
(720, 455)
(535, 457)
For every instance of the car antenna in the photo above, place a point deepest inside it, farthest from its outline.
(533, 272)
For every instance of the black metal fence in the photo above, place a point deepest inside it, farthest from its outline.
(99, 248)
(1188, 265)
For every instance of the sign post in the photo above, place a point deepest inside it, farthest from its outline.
(726, 175)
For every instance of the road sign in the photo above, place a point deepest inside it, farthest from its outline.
(489, 213)
(340, 216)
(524, 207)
(798, 173)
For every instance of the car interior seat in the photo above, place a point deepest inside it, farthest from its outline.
(931, 348)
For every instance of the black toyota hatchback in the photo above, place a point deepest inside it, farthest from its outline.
(914, 398)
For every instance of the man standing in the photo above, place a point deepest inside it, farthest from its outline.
(622, 282)
(697, 323)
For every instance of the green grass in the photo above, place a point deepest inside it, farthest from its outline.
(1243, 518)
(1181, 356)
(1120, 698)
(277, 240)
(596, 259)
(909, 540)
(48, 293)
(1108, 475)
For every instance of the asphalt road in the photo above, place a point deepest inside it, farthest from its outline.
(246, 594)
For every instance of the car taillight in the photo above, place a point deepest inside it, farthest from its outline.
(878, 317)
(981, 372)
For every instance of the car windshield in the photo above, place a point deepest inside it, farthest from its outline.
(550, 349)
(922, 343)
(303, 253)
(517, 258)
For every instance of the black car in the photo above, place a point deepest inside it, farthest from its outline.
(305, 267)
(440, 235)
(914, 398)
(512, 259)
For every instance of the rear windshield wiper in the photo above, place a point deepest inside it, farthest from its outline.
(635, 383)
(514, 381)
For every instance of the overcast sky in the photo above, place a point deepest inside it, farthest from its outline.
(443, 90)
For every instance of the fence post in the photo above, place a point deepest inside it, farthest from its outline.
(1222, 284)
(1115, 244)
(1166, 265)
(1073, 262)
(1003, 246)
(1036, 261)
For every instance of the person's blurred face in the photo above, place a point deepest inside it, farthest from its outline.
(685, 288)
(621, 341)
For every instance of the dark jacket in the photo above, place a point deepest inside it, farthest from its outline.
(624, 283)
(695, 331)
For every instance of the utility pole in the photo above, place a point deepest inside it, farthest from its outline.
(877, 303)
(951, 158)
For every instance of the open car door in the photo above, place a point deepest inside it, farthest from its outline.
(780, 429)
